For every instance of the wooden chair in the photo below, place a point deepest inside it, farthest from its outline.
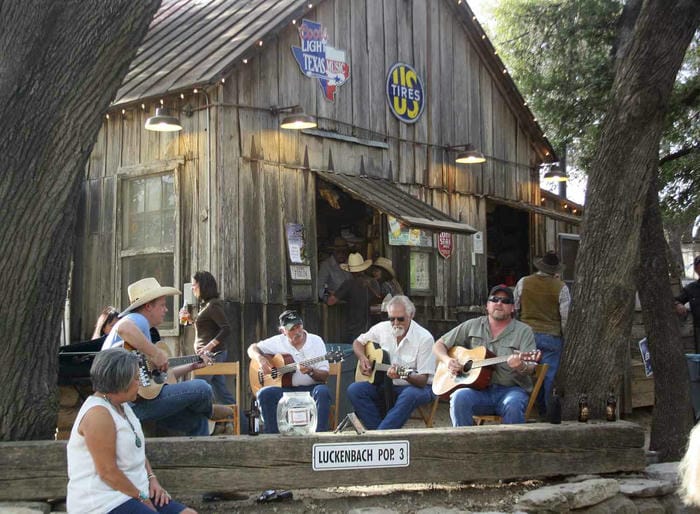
(427, 412)
(226, 368)
(335, 371)
(538, 376)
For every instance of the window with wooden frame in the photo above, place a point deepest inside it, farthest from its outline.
(148, 235)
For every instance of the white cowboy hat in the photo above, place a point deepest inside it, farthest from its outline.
(386, 264)
(356, 263)
(144, 291)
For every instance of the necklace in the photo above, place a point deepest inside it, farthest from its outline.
(137, 439)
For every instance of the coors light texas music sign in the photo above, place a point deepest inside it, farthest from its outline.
(318, 60)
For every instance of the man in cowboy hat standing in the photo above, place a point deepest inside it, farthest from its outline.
(542, 301)
(358, 293)
(330, 274)
(182, 407)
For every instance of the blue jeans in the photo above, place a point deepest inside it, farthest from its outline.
(182, 407)
(269, 397)
(218, 383)
(368, 402)
(509, 402)
(551, 348)
(134, 506)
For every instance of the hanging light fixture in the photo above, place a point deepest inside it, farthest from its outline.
(554, 173)
(296, 120)
(469, 154)
(163, 121)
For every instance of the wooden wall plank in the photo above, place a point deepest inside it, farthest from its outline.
(377, 104)
(434, 86)
(252, 224)
(420, 59)
(404, 39)
(274, 254)
(361, 80)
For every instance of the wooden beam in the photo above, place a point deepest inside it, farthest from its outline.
(36, 470)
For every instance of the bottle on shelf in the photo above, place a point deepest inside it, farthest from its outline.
(554, 408)
(611, 408)
(253, 418)
(583, 409)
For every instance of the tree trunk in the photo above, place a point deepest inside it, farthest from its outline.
(625, 160)
(62, 64)
(673, 417)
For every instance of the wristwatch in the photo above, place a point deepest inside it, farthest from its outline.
(143, 496)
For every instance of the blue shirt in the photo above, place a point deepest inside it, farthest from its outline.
(113, 340)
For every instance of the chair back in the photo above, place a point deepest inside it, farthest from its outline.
(226, 368)
(335, 370)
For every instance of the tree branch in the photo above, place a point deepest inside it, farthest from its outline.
(677, 155)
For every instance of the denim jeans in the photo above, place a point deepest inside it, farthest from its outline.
(269, 397)
(551, 348)
(509, 402)
(134, 506)
(183, 407)
(218, 383)
(368, 402)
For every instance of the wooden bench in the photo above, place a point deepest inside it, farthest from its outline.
(36, 470)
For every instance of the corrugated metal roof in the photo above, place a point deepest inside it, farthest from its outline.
(194, 42)
(545, 211)
(386, 197)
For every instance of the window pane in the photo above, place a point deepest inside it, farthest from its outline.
(159, 266)
(149, 212)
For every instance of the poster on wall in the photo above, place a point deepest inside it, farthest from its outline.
(419, 279)
(401, 235)
(405, 92)
(296, 243)
(320, 61)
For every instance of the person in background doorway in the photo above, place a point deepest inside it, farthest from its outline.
(107, 466)
(358, 292)
(511, 383)
(542, 301)
(383, 272)
(212, 330)
(293, 340)
(691, 294)
(330, 273)
(105, 321)
(409, 347)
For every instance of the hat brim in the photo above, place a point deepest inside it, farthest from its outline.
(356, 269)
(387, 268)
(149, 297)
(547, 268)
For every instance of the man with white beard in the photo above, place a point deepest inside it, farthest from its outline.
(411, 369)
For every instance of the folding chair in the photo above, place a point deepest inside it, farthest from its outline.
(428, 416)
(226, 368)
(538, 375)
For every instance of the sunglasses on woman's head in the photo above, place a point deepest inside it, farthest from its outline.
(500, 299)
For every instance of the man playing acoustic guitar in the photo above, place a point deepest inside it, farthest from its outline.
(296, 343)
(499, 333)
(183, 407)
(407, 347)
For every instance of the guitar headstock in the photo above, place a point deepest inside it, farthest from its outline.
(335, 356)
(533, 356)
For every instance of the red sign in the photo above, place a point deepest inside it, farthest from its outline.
(445, 244)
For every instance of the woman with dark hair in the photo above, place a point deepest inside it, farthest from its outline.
(212, 331)
(107, 466)
(105, 321)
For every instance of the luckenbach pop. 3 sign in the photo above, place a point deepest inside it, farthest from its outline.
(318, 60)
(405, 92)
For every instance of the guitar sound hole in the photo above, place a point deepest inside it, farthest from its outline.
(467, 367)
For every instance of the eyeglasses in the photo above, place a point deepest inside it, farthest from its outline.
(500, 299)
(400, 319)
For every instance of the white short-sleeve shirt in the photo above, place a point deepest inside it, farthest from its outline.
(313, 347)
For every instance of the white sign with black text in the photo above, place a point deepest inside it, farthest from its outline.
(381, 454)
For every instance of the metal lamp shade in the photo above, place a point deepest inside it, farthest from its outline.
(470, 155)
(163, 122)
(298, 121)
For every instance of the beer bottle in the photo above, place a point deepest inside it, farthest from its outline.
(185, 319)
(611, 408)
(583, 409)
(554, 408)
(253, 418)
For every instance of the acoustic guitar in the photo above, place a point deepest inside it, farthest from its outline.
(152, 380)
(283, 367)
(380, 365)
(476, 372)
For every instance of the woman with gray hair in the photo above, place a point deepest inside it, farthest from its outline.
(107, 466)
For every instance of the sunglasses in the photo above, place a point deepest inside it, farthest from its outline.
(500, 299)
(398, 318)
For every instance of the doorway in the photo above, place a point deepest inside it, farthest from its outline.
(507, 244)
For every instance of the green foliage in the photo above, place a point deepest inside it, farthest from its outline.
(561, 56)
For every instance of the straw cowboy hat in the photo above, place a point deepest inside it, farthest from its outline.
(384, 263)
(144, 291)
(356, 263)
(549, 263)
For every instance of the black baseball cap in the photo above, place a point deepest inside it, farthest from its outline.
(289, 319)
(503, 289)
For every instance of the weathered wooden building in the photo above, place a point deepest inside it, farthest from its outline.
(255, 204)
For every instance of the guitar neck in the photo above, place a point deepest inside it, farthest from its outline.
(293, 366)
(187, 359)
(490, 361)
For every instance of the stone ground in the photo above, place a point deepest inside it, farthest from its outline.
(407, 498)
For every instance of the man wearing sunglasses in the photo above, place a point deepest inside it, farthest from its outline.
(508, 394)
(410, 374)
